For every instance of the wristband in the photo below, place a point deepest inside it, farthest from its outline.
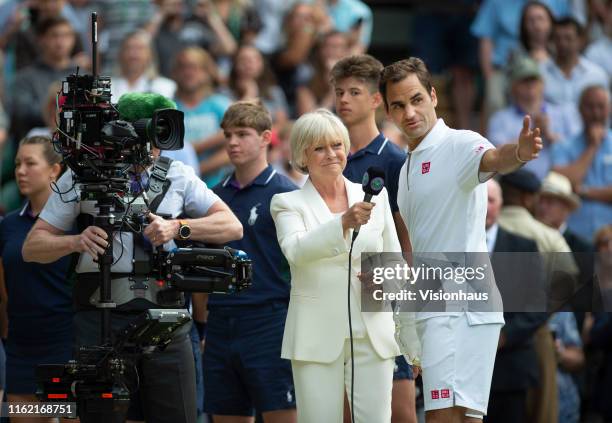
(201, 328)
(516, 155)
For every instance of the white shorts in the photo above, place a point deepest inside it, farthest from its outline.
(457, 362)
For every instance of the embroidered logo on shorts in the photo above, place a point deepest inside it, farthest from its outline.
(445, 393)
(435, 394)
(425, 167)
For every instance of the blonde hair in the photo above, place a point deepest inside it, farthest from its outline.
(313, 129)
(247, 114)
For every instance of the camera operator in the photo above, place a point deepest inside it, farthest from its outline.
(166, 380)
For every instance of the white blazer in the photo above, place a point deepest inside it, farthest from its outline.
(313, 242)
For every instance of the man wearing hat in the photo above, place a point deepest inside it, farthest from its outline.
(555, 204)
(520, 190)
(527, 97)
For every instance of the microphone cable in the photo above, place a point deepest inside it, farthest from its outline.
(350, 259)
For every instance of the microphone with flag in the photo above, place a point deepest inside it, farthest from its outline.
(373, 182)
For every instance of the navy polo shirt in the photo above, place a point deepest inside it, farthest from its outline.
(251, 204)
(40, 301)
(381, 152)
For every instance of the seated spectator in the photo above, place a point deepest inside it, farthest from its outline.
(202, 27)
(584, 159)
(318, 91)
(556, 123)
(354, 19)
(251, 78)
(556, 203)
(195, 74)
(138, 70)
(56, 40)
(22, 29)
(497, 26)
(118, 18)
(600, 51)
(49, 113)
(570, 359)
(568, 73)
(535, 34)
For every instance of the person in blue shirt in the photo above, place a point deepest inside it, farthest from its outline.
(355, 80)
(195, 73)
(243, 369)
(587, 161)
(39, 305)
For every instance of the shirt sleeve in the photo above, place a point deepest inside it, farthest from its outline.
(484, 23)
(62, 207)
(468, 153)
(198, 197)
(561, 154)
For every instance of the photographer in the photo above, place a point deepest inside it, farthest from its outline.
(166, 380)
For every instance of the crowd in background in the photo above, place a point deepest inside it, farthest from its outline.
(496, 60)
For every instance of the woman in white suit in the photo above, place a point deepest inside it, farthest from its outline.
(314, 226)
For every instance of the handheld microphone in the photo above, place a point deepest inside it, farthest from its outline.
(373, 182)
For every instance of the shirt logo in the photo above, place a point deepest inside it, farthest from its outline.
(445, 393)
(435, 394)
(253, 214)
(479, 149)
(289, 397)
(425, 167)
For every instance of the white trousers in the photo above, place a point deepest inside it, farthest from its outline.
(320, 387)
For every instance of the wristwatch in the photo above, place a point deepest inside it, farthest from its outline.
(184, 230)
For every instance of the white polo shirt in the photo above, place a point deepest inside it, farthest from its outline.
(443, 201)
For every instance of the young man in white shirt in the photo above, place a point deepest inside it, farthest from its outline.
(444, 203)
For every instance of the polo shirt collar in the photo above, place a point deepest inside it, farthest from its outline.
(261, 180)
(26, 210)
(434, 136)
(376, 147)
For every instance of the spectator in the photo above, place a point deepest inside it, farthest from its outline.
(601, 338)
(195, 74)
(178, 29)
(240, 16)
(251, 78)
(49, 113)
(271, 13)
(570, 359)
(536, 32)
(283, 166)
(556, 122)
(354, 19)
(56, 39)
(569, 72)
(603, 243)
(556, 202)
(117, 19)
(497, 26)
(318, 91)
(23, 27)
(39, 299)
(519, 190)
(138, 70)
(600, 51)
(584, 159)
(516, 365)
(303, 25)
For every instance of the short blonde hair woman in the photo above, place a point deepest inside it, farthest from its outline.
(314, 227)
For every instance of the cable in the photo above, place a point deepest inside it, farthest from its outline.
(351, 334)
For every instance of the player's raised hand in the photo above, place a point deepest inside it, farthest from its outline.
(530, 141)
